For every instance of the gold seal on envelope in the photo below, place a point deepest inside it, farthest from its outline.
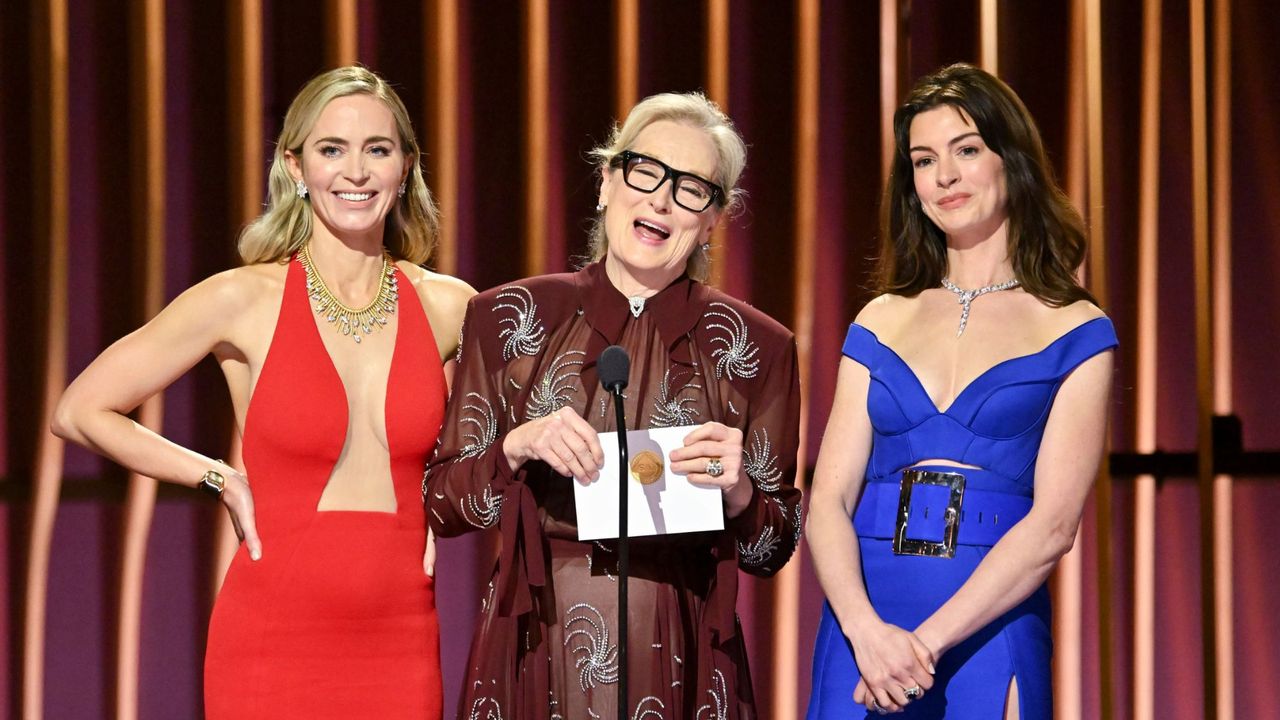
(646, 467)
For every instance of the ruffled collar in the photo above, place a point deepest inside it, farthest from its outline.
(675, 309)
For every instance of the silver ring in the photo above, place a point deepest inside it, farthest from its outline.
(875, 705)
(715, 468)
(913, 693)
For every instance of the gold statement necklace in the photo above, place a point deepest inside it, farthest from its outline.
(355, 322)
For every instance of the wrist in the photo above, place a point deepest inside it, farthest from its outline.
(511, 454)
(214, 481)
(932, 639)
(739, 497)
(857, 621)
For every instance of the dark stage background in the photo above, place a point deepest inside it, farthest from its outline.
(136, 137)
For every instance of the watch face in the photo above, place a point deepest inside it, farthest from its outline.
(213, 483)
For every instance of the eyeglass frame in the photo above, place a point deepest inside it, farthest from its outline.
(622, 159)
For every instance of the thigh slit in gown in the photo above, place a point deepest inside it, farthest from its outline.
(996, 424)
(338, 619)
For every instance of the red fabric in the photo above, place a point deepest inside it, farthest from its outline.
(337, 620)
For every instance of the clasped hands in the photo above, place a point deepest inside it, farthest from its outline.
(895, 665)
(571, 447)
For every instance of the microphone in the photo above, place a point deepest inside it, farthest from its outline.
(613, 368)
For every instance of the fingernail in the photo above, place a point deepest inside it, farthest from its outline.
(255, 555)
(931, 670)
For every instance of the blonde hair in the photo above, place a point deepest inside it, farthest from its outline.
(693, 109)
(412, 223)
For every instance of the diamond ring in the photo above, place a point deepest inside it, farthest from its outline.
(714, 467)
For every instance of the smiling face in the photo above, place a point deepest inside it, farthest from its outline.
(959, 180)
(651, 237)
(353, 165)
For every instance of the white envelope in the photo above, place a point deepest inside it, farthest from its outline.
(669, 505)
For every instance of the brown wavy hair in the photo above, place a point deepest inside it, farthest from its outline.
(1047, 240)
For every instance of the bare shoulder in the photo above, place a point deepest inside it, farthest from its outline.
(444, 297)
(885, 311)
(444, 300)
(236, 291)
(1060, 320)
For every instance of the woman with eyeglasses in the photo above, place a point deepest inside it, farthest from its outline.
(523, 420)
(967, 426)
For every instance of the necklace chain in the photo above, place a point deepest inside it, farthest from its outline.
(966, 297)
(355, 322)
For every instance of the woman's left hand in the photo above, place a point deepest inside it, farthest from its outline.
(710, 444)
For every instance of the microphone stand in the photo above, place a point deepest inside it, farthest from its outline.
(624, 543)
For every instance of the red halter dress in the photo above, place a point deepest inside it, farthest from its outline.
(338, 619)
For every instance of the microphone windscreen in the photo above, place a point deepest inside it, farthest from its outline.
(613, 368)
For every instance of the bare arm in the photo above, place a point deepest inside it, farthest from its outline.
(1022, 559)
(888, 657)
(837, 481)
(93, 411)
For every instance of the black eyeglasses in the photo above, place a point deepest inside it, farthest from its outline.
(647, 174)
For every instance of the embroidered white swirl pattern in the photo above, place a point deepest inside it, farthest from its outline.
(522, 333)
(553, 391)
(718, 708)
(669, 411)
(759, 462)
(599, 660)
(761, 549)
(735, 354)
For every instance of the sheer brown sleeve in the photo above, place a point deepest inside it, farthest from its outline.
(768, 530)
(464, 482)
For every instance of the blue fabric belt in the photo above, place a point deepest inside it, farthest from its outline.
(985, 515)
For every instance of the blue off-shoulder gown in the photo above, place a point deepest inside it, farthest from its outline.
(996, 424)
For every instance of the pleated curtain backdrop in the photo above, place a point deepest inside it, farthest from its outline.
(136, 137)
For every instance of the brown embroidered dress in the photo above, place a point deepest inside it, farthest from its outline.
(546, 645)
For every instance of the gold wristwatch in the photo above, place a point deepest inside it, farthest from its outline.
(213, 483)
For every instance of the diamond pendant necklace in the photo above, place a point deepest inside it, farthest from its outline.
(637, 305)
(966, 297)
(354, 322)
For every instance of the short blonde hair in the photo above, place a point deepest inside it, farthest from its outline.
(693, 109)
(412, 224)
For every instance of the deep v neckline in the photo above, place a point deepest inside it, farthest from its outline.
(332, 367)
(977, 380)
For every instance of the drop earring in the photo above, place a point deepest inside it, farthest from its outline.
(402, 187)
(302, 190)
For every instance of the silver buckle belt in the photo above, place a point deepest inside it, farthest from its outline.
(902, 545)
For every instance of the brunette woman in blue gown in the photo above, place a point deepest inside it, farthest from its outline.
(967, 425)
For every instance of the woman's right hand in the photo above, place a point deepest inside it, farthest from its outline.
(890, 660)
(563, 440)
(238, 500)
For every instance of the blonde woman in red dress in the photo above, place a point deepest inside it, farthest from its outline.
(333, 342)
